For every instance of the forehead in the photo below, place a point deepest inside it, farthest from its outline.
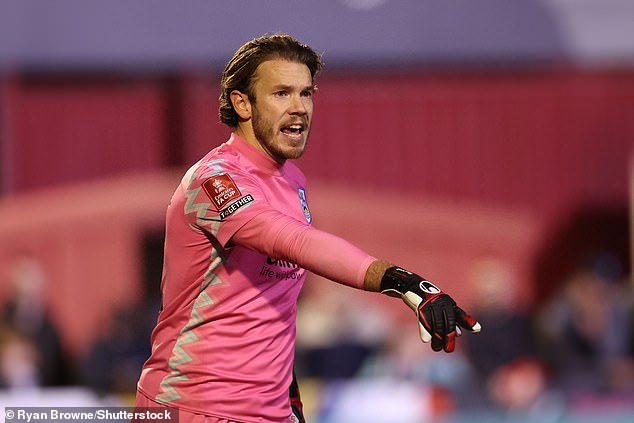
(282, 72)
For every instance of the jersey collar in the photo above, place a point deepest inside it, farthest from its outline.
(258, 158)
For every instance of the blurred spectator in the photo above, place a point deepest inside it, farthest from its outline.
(584, 331)
(439, 378)
(115, 359)
(336, 331)
(508, 373)
(621, 376)
(621, 370)
(19, 360)
(402, 358)
(518, 385)
(29, 326)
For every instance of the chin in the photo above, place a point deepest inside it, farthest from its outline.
(294, 155)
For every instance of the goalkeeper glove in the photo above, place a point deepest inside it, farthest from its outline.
(439, 318)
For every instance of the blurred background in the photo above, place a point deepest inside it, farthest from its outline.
(485, 145)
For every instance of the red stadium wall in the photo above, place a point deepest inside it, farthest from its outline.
(542, 140)
(545, 141)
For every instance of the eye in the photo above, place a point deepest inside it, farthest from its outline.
(308, 93)
(281, 93)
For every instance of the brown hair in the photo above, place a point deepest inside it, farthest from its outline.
(238, 74)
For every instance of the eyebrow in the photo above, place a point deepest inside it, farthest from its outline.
(291, 87)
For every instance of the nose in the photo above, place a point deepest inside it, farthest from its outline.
(297, 105)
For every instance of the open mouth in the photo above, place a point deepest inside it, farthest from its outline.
(293, 131)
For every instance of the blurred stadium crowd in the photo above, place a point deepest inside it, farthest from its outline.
(574, 352)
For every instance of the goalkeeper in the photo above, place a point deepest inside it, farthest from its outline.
(238, 244)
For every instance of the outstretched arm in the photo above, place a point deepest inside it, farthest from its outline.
(283, 237)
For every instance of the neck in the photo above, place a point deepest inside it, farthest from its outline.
(245, 131)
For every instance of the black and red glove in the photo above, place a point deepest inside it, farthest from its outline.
(296, 401)
(439, 318)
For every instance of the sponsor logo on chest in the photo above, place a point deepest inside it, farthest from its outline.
(281, 270)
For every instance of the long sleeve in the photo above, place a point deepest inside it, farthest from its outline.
(320, 252)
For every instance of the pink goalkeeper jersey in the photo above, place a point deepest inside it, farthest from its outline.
(224, 342)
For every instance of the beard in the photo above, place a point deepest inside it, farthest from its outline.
(273, 141)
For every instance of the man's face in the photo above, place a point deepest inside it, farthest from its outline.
(283, 108)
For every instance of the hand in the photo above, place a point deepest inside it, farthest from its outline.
(439, 318)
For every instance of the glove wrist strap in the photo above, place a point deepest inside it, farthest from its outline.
(396, 281)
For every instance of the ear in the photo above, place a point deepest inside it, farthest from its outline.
(241, 104)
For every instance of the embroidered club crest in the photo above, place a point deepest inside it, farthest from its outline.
(304, 203)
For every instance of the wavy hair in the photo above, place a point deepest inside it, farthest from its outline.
(238, 74)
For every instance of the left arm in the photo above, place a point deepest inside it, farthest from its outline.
(283, 237)
(327, 255)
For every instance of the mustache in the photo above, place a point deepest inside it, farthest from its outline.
(303, 121)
